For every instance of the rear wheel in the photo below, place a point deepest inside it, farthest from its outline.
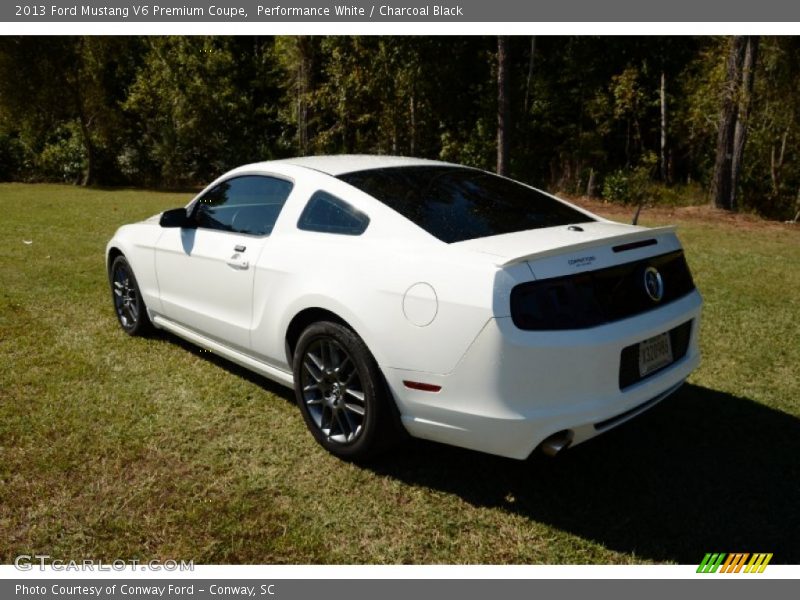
(128, 303)
(341, 392)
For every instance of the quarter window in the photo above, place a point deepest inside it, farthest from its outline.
(249, 204)
(326, 213)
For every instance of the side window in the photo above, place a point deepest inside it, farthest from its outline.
(248, 204)
(328, 214)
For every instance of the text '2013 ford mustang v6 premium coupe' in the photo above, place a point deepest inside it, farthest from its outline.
(403, 295)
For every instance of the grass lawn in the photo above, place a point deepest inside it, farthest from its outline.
(113, 447)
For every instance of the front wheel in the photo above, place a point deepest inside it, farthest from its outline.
(341, 392)
(128, 303)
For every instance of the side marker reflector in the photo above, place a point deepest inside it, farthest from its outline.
(423, 387)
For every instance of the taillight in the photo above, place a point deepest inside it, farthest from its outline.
(562, 303)
(594, 298)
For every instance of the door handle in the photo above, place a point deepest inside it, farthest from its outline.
(238, 262)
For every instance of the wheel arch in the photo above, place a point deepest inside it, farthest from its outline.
(306, 317)
(314, 314)
(111, 255)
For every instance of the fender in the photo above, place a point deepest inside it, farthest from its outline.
(137, 243)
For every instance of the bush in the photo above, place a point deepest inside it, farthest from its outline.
(631, 186)
(616, 186)
(63, 157)
(679, 194)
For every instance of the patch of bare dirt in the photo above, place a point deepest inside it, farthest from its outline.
(701, 214)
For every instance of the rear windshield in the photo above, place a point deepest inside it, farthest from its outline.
(456, 203)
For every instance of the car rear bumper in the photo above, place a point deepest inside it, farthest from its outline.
(512, 388)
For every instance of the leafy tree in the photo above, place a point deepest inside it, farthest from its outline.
(638, 117)
(203, 106)
(57, 89)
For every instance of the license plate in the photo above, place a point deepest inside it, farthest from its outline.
(654, 354)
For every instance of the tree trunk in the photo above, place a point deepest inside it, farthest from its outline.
(663, 154)
(86, 132)
(776, 163)
(89, 175)
(503, 105)
(722, 179)
(412, 113)
(75, 82)
(591, 185)
(526, 104)
(797, 206)
(304, 68)
(745, 103)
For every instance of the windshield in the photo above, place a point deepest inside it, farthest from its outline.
(457, 203)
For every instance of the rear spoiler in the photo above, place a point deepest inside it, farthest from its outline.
(616, 240)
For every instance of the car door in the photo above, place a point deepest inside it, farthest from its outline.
(206, 272)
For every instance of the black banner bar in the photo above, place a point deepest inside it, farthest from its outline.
(266, 11)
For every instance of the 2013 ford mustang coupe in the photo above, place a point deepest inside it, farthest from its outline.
(403, 295)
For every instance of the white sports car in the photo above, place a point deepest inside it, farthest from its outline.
(403, 295)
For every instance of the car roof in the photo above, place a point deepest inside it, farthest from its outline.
(340, 164)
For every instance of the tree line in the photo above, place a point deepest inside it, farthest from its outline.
(632, 119)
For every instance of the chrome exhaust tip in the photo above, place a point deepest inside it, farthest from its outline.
(557, 442)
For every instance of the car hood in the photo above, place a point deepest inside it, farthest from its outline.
(153, 219)
(522, 246)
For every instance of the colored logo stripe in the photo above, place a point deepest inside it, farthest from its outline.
(734, 563)
(759, 561)
(710, 563)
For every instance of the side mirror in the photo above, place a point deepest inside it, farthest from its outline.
(177, 217)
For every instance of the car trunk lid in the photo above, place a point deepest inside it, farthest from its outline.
(557, 251)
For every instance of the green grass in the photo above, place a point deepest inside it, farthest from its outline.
(114, 447)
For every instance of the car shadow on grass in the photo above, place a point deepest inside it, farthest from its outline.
(263, 382)
(704, 471)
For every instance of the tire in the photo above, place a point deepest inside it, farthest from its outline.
(127, 299)
(341, 392)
